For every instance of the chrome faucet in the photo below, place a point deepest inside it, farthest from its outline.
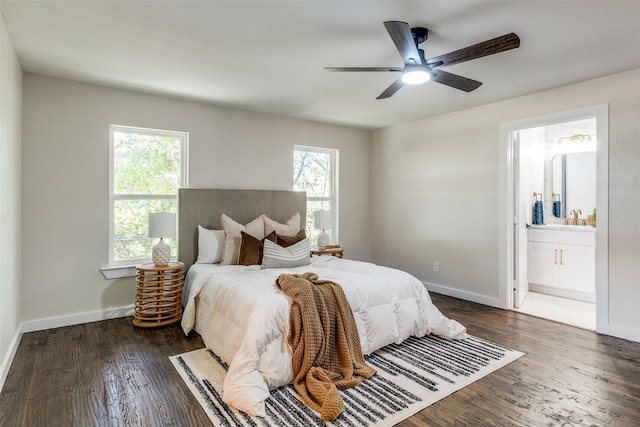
(575, 215)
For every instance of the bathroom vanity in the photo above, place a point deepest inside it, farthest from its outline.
(561, 261)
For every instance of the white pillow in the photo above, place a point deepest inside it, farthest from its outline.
(233, 238)
(290, 228)
(275, 256)
(210, 244)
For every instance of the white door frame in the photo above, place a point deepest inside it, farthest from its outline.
(507, 214)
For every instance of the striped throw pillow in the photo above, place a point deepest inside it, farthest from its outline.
(275, 256)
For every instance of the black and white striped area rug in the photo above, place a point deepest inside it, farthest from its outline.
(410, 377)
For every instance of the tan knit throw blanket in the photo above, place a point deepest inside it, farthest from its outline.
(327, 355)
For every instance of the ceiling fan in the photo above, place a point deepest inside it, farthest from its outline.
(418, 70)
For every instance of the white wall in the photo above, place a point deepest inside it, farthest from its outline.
(65, 189)
(10, 223)
(435, 199)
(436, 192)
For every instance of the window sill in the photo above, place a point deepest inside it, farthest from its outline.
(119, 272)
(122, 271)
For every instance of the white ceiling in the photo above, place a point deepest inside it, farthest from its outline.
(269, 55)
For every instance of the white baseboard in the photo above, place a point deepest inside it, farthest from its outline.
(619, 332)
(8, 358)
(76, 319)
(467, 296)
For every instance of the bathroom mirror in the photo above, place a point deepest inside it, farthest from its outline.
(574, 183)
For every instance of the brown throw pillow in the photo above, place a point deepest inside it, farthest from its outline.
(285, 241)
(251, 248)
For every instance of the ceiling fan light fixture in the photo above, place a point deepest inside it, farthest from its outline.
(416, 77)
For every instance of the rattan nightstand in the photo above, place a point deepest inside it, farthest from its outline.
(159, 295)
(337, 252)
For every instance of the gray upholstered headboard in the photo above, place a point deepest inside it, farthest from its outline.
(201, 206)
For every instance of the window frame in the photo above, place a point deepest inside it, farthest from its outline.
(125, 265)
(334, 184)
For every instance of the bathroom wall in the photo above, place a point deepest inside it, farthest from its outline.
(585, 183)
(532, 172)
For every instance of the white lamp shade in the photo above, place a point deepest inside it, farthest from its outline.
(162, 224)
(322, 220)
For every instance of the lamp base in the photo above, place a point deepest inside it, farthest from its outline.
(161, 254)
(323, 240)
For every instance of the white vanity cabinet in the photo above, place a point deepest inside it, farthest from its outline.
(562, 262)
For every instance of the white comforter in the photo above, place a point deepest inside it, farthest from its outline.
(244, 318)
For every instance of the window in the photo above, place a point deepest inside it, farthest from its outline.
(147, 168)
(315, 171)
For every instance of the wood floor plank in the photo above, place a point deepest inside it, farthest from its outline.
(110, 373)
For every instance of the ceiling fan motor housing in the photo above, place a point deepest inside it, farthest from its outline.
(419, 34)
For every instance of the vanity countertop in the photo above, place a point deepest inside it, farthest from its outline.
(583, 228)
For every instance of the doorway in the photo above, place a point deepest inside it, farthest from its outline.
(529, 146)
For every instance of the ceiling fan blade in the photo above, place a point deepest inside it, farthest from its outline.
(395, 86)
(489, 47)
(363, 68)
(454, 80)
(400, 33)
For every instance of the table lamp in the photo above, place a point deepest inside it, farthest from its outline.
(162, 225)
(322, 221)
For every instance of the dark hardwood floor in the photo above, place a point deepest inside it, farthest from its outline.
(110, 373)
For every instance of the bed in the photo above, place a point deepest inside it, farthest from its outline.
(242, 316)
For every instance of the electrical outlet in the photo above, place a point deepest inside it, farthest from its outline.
(436, 266)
